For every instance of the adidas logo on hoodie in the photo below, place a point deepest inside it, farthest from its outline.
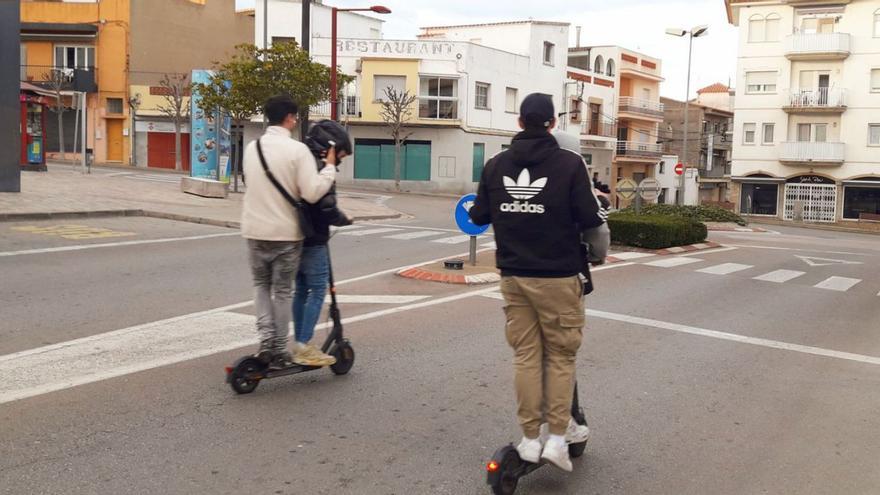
(523, 188)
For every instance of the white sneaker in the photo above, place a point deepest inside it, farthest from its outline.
(556, 452)
(530, 450)
(576, 433)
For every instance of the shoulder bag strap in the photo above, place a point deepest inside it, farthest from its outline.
(290, 199)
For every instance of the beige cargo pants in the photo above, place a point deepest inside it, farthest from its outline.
(545, 320)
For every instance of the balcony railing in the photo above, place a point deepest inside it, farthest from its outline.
(633, 149)
(650, 108)
(349, 107)
(67, 79)
(601, 128)
(818, 46)
(812, 152)
(817, 99)
(641, 68)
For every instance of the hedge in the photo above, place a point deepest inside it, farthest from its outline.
(702, 213)
(655, 231)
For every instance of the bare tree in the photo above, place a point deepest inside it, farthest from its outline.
(175, 106)
(397, 110)
(58, 79)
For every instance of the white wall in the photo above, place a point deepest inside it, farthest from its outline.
(285, 20)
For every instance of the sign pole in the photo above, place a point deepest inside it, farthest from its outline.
(10, 89)
(473, 251)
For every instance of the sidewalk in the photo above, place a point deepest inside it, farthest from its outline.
(65, 190)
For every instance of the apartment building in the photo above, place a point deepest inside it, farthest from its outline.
(117, 51)
(469, 81)
(807, 124)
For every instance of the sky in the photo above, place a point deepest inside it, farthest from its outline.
(635, 24)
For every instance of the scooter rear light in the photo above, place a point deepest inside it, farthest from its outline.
(228, 369)
(492, 466)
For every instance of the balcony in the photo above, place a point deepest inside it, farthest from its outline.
(349, 108)
(644, 69)
(818, 46)
(812, 153)
(641, 109)
(635, 151)
(821, 100)
(81, 79)
(602, 129)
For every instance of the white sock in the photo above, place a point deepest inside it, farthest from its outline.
(557, 440)
(298, 345)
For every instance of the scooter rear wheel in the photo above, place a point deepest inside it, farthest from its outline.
(508, 480)
(344, 354)
(242, 376)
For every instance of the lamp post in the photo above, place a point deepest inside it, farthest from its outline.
(334, 90)
(696, 32)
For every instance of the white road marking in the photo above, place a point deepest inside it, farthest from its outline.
(377, 299)
(631, 255)
(143, 347)
(773, 344)
(777, 248)
(725, 269)
(348, 227)
(779, 276)
(81, 247)
(360, 233)
(673, 262)
(418, 234)
(813, 261)
(453, 240)
(416, 227)
(717, 250)
(839, 284)
(492, 245)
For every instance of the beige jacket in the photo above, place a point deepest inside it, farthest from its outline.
(266, 215)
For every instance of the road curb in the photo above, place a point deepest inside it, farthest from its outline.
(448, 278)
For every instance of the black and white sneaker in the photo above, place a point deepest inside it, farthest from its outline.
(281, 360)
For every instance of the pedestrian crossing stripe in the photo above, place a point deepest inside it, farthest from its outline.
(725, 269)
(361, 233)
(780, 276)
(453, 240)
(73, 232)
(839, 284)
(414, 235)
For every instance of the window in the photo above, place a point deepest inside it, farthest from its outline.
(381, 83)
(549, 51)
(759, 199)
(875, 80)
(481, 96)
(114, 105)
(748, 133)
(820, 133)
(662, 169)
(438, 98)
(510, 100)
(768, 133)
(763, 82)
(817, 133)
(763, 29)
(873, 134)
(599, 65)
(74, 57)
(877, 23)
(803, 133)
(861, 200)
(277, 40)
(609, 68)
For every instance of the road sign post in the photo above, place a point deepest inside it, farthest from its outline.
(10, 109)
(463, 220)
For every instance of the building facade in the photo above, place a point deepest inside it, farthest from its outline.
(116, 51)
(709, 134)
(468, 82)
(807, 124)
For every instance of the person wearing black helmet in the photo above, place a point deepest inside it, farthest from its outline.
(314, 268)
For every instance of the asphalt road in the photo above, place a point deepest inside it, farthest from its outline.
(746, 370)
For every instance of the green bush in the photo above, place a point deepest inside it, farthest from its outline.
(701, 213)
(655, 231)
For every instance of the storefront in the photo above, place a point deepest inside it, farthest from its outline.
(810, 198)
(33, 127)
(861, 199)
(759, 194)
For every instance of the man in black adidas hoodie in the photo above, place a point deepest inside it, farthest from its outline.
(538, 198)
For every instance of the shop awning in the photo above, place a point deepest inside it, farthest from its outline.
(58, 31)
(862, 183)
(25, 86)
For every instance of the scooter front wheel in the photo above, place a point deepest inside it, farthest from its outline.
(344, 354)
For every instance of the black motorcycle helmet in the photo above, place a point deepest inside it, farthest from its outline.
(327, 133)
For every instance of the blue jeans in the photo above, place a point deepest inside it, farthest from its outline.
(311, 287)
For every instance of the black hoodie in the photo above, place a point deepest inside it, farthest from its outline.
(538, 198)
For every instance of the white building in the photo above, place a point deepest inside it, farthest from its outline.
(807, 110)
(469, 81)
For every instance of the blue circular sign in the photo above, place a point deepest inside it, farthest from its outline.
(463, 220)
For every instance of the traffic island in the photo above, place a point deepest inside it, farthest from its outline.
(484, 272)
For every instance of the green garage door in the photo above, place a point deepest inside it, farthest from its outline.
(374, 159)
(479, 161)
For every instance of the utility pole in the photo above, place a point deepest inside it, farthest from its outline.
(684, 146)
(265, 47)
(10, 87)
(305, 43)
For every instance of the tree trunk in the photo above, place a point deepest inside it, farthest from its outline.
(61, 132)
(178, 158)
(397, 165)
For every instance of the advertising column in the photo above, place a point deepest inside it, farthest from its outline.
(209, 137)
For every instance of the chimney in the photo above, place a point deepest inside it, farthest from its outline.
(578, 39)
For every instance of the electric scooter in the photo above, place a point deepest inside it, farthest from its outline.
(506, 468)
(245, 375)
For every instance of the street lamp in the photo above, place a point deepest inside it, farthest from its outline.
(696, 32)
(334, 97)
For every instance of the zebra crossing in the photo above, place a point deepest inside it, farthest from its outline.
(406, 233)
(833, 283)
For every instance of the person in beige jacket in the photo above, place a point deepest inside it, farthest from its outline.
(271, 224)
